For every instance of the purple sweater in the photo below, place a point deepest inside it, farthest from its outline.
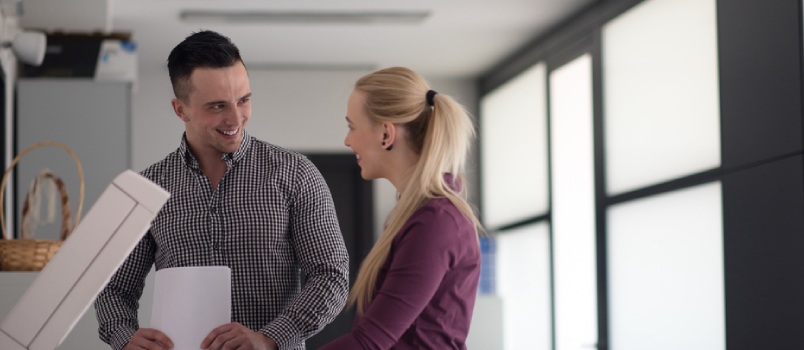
(426, 289)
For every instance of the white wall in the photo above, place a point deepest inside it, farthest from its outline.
(68, 16)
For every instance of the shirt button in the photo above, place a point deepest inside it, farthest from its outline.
(215, 246)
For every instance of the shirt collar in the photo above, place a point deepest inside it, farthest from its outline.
(229, 158)
(453, 182)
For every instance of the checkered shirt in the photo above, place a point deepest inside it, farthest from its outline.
(271, 220)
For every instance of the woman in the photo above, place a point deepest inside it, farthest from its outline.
(416, 288)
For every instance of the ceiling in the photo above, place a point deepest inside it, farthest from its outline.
(456, 39)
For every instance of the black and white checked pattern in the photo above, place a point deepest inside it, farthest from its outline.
(271, 219)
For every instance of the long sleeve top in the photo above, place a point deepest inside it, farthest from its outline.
(427, 287)
(270, 220)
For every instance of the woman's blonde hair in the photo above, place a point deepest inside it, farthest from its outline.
(441, 134)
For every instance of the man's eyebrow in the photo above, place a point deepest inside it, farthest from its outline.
(212, 103)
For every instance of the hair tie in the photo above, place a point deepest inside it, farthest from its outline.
(430, 95)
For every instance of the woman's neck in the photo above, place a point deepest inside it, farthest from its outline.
(402, 171)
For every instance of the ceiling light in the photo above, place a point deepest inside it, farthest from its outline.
(289, 17)
(329, 67)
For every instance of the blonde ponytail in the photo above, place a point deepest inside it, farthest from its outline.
(440, 133)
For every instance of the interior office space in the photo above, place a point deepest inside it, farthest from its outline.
(639, 170)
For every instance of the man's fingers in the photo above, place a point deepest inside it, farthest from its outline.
(214, 334)
(150, 339)
(224, 342)
(160, 337)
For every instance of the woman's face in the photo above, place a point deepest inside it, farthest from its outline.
(365, 138)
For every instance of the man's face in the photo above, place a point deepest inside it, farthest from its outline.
(216, 110)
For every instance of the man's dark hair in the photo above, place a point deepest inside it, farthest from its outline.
(204, 49)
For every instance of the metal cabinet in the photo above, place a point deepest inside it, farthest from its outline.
(91, 118)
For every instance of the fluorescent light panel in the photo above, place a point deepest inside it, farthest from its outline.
(290, 17)
(328, 67)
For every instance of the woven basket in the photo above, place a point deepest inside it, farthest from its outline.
(26, 253)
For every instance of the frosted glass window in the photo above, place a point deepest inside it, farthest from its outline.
(573, 205)
(665, 271)
(513, 144)
(523, 284)
(660, 77)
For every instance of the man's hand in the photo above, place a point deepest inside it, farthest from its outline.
(237, 336)
(149, 339)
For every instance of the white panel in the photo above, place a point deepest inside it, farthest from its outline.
(665, 272)
(84, 335)
(573, 205)
(660, 75)
(513, 145)
(94, 279)
(59, 276)
(486, 331)
(69, 283)
(523, 283)
(7, 343)
(67, 15)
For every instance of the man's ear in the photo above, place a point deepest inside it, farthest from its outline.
(178, 108)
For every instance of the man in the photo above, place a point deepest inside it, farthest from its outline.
(263, 211)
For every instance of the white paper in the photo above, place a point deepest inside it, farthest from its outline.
(189, 302)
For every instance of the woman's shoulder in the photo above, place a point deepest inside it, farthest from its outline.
(440, 231)
(439, 208)
(438, 217)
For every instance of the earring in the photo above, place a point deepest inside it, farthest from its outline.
(385, 136)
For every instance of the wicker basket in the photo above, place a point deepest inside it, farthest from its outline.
(26, 253)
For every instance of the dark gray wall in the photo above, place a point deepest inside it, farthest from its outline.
(763, 187)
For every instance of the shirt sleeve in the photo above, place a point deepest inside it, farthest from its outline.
(421, 257)
(322, 256)
(117, 304)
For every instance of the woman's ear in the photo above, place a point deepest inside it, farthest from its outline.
(389, 135)
(178, 108)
